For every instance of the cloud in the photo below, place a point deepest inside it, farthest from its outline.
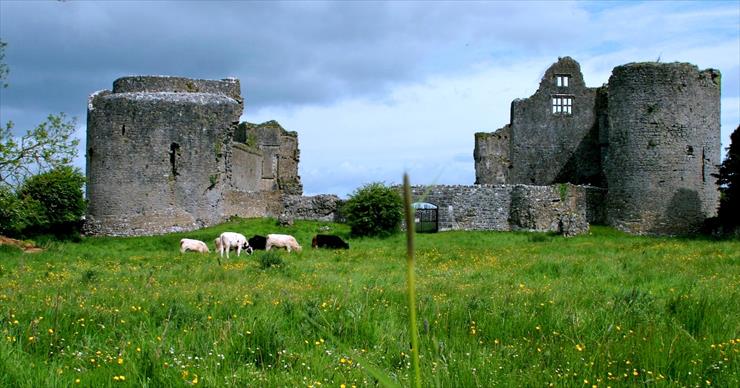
(381, 86)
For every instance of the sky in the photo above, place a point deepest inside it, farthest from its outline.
(374, 89)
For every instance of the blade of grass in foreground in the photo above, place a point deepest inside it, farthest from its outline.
(410, 280)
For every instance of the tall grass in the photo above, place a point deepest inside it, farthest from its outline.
(493, 309)
(411, 280)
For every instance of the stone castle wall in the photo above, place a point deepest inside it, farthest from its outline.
(548, 147)
(491, 156)
(651, 137)
(664, 146)
(168, 154)
(154, 160)
(280, 155)
(566, 209)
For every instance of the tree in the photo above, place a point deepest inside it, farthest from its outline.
(51, 144)
(58, 195)
(728, 180)
(374, 210)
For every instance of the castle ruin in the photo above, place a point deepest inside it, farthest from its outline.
(168, 154)
(650, 138)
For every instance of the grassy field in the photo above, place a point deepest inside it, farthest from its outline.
(494, 309)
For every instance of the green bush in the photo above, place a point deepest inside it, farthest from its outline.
(57, 199)
(374, 210)
(9, 206)
(18, 215)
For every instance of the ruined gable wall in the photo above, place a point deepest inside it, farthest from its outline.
(664, 146)
(551, 148)
(491, 156)
(157, 156)
(280, 155)
(246, 167)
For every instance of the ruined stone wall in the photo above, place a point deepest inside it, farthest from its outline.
(246, 167)
(157, 155)
(280, 152)
(324, 207)
(664, 146)
(552, 147)
(228, 87)
(557, 208)
(252, 204)
(168, 154)
(491, 156)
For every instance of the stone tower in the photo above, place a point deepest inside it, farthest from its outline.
(664, 146)
(651, 137)
(157, 153)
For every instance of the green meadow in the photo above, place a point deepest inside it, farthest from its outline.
(493, 309)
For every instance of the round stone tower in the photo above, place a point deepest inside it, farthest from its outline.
(664, 146)
(157, 153)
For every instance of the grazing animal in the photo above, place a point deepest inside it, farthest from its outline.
(282, 241)
(257, 242)
(328, 241)
(188, 244)
(231, 240)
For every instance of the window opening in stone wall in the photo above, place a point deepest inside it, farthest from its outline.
(426, 217)
(174, 153)
(689, 150)
(562, 105)
(562, 80)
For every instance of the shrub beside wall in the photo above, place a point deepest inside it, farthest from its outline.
(374, 210)
(51, 202)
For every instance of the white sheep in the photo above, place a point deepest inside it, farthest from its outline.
(282, 241)
(232, 240)
(188, 244)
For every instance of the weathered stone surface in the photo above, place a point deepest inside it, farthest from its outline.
(572, 224)
(558, 208)
(228, 87)
(651, 137)
(163, 156)
(153, 164)
(664, 146)
(491, 155)
(280, 155)
(549, 147)
(285, 220)
(324, 207)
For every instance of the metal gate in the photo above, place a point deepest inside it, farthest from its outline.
(425, 217)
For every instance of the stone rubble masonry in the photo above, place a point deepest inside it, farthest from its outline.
(566, 209)
(664, 147)
(169, 154)
(323, 207)
(155, 160)
(651, 137)
(162, 157)
(281, 155)
(491, 156)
